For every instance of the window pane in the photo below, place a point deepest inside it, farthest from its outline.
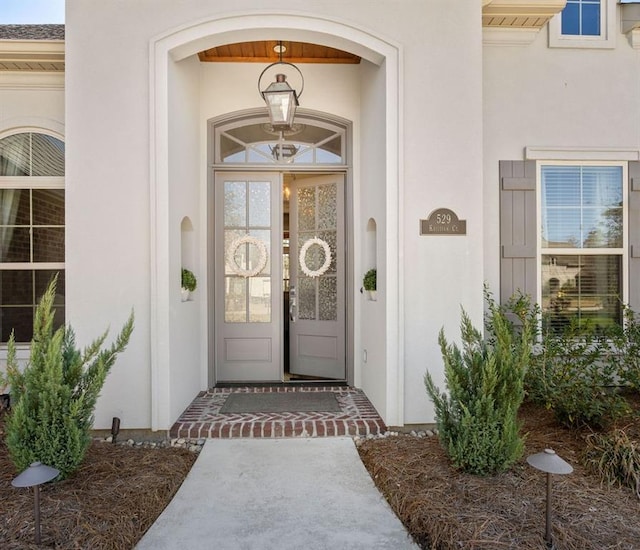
(235, 203)
(328, 298)
(16, 287)
(43, 278)
(19, 320)
(571, 18)
(15, 155)
(15, 244)
(306, 298)
(19, 297)
(48, 244)
(260, 300)
(47, 156)
(235, 300)
(48, 206)
(586, 289)
(259, 204)
(581, 206)
(591, 19)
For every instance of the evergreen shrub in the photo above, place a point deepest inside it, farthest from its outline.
(477, 416)
(54, 397)
(577, 374)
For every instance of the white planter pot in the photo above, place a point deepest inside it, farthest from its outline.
(372, 295)
(185, 294)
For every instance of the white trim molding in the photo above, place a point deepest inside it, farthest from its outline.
(631, 23)
(516, 22)
(582, 153)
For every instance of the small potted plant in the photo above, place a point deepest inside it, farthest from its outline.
(369, 282)
(189, 283)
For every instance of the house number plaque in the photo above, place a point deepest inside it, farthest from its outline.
(443, 222)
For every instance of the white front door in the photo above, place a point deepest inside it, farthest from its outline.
(250, 320)
(317, 278)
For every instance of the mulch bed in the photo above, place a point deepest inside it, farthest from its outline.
(109, 503)
(119, 492)
(444, 509)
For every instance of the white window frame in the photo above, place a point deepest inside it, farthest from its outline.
(606, 39)
(623, 251)
(31, 183)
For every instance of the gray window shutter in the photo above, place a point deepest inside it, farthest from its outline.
(634, 236)
(518, 235)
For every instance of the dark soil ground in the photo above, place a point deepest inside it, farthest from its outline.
(119, 491)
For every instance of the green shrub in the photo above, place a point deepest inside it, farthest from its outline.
(53, 399)
(188, 280)
(477, 419)
(615, 458)
(369, 281)
(576, 374)
(626, 342)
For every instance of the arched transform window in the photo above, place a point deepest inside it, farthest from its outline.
(32, 225)
(311, 141)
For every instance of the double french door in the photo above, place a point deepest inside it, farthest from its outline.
(279, 277)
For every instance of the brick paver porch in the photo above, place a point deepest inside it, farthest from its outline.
(202, 419)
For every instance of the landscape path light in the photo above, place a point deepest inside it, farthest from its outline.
(34, 476)
(550, 463)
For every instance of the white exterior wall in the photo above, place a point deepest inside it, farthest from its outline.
(435, 126)
(553, 97)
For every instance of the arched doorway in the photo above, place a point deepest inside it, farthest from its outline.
(278, 252)
(377, 166)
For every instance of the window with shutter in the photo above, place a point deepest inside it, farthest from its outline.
(579, 256)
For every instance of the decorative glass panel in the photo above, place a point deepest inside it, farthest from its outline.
(328, 299)
(306, 298)
(235, 300)
(235, 203)
(327, 207)
(259, 204)
(306, 209)
(247, 252)
(259, 299)
(259, 143)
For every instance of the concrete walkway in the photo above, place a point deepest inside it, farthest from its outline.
(264, 494)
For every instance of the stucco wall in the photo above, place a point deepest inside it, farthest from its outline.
(553, 97)
(437, 164)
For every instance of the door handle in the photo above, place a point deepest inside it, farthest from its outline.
(292, 303)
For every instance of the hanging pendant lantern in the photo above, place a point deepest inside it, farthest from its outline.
(281, 99)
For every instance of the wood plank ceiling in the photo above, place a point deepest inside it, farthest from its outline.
(266, 52)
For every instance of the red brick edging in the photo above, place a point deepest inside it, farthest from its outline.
(202, 419)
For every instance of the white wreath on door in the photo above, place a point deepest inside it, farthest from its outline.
(262, 257)
(303, 257)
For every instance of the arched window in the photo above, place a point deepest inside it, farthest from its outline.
(32, 225)
(311, 141)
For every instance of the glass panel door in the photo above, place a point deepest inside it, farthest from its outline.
(248, 278)
(317, 271)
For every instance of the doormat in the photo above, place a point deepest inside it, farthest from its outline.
(276, 402)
